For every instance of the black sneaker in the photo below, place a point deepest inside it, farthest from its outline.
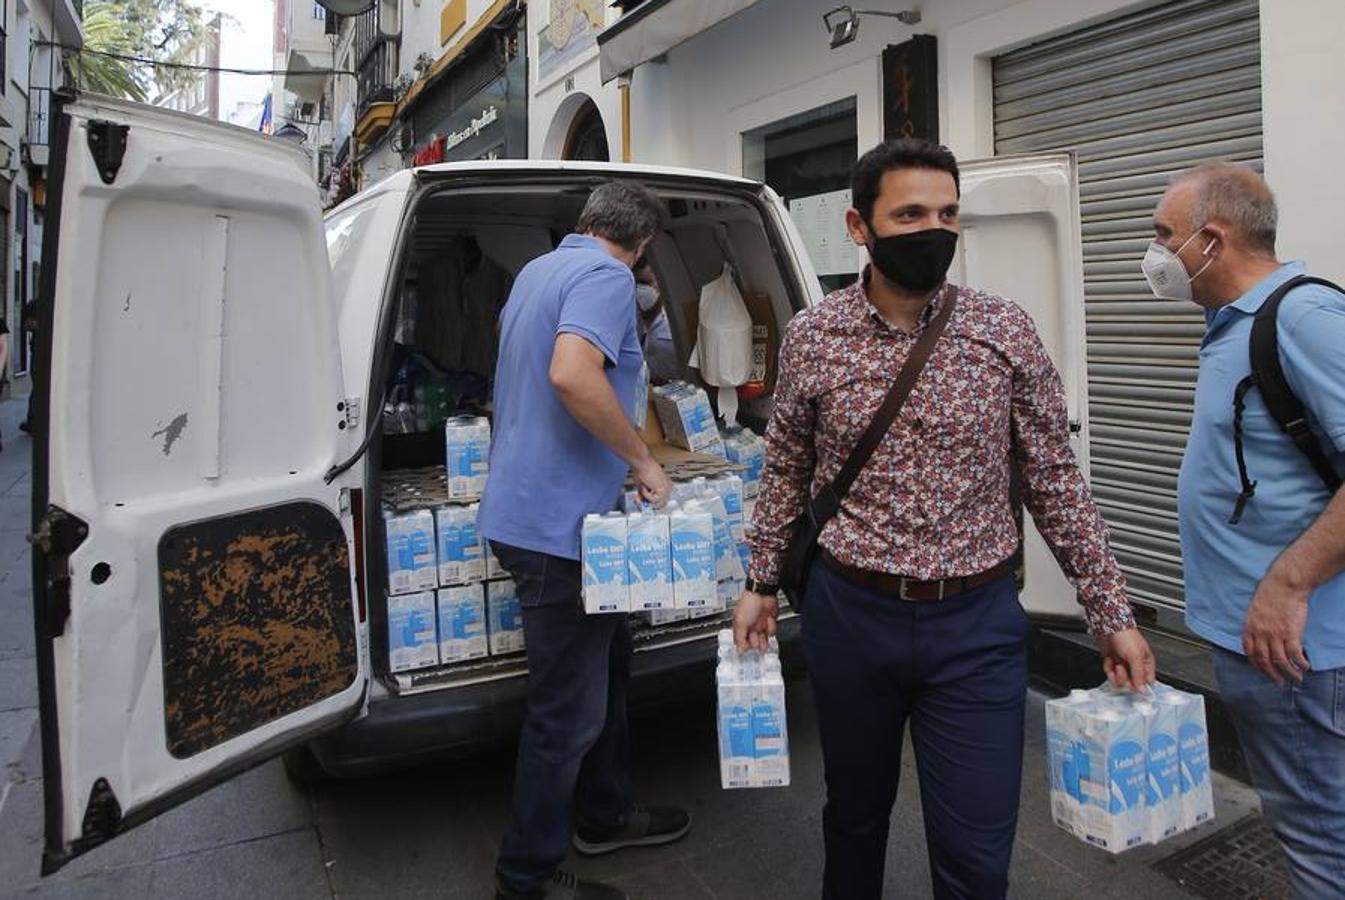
(563, 886)
(646, 826)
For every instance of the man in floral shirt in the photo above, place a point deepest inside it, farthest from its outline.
(912, 610)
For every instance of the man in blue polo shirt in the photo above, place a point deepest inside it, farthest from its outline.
(1267, 590)
(566, 378)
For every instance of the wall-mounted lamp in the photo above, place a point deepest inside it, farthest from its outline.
(846, 20)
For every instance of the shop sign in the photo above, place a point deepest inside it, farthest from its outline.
(911, 89)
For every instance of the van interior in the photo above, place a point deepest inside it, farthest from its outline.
(465, 248)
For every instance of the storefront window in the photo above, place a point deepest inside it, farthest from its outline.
(807, 159)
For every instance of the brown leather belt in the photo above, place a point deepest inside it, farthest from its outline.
(911, 589)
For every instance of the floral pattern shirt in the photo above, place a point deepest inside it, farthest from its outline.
(933, 501)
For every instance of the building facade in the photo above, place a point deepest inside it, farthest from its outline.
(1137, 89)
(199, 96)
(30, 68)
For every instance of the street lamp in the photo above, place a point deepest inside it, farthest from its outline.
(847, 22)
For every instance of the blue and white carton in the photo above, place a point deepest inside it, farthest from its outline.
(1067, 759)
(728, 564)
(692, 536)
(687, 418)
(1115, 814)
(411, 554)
(744, 448)
(649, 559)
(411, 632)
(753, 729)
(606, 571)
(467, 453)
(729, 488)
(459, 546)
(491, 562)
(1164, 792)
(1193, 751)
(462, 623)
(504, 617)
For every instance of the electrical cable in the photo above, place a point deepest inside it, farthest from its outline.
(192, 66)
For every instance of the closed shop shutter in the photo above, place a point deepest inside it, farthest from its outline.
(1138, 98)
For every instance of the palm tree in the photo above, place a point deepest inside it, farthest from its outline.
(105, 31)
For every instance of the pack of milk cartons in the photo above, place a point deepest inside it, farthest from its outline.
(411, 631)
(467, 445)
(606, 570)
(1120, 773)
(745, 448)
(411, 552)
(753, 729)
(459, 546)
(504, 617)
(687, 418)
(462, 623)
(692, 538)
(649, 561)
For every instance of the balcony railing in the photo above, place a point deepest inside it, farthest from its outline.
(39, 116)
(377, 75)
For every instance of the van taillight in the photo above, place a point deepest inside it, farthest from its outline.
(357, 507)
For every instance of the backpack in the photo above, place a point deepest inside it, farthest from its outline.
(1287, 410)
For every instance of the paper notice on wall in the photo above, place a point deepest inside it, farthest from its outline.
(821, 222)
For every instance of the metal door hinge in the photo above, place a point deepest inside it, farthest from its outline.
(57, 536)
(107, 144)
(350, 408)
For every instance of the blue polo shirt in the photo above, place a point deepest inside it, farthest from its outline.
(1223, 562)
(546, 470)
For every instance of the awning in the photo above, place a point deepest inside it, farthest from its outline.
(657, 26)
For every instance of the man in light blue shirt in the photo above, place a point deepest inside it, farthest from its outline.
(1267, 590)
(562, 445)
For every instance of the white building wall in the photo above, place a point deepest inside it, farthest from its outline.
(773, 60)
(421, 29)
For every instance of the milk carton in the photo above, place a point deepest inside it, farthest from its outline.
(411, 638)
(459, 546)
(729, 488)
(1115, 815)
(728, 592)
(753, 734)
(462, 623)
(743, 447)
(770, 737)
(692, 536)
(603, 554)
(1067, 762)
(649, 558)
(1193, 753)
(686, 416)
(728, 565)
(1163, 794)
(504, 617)
(467, 442)
(411, 557)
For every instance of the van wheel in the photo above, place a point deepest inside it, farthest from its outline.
(303, 768)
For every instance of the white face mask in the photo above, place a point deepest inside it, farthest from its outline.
(1165, 273)
(646, 297)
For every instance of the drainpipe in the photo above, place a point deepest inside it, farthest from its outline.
(623, 85)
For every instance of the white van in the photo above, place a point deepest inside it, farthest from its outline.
(209, 565)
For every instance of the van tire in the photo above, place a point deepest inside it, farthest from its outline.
(302, 767)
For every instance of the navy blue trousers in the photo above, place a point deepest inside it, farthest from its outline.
(956, 670)
(575, 747)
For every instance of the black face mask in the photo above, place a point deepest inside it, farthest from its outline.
(916, 261)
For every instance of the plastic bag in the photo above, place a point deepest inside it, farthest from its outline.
(723, 351)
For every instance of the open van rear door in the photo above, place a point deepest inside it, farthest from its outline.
(1021, 240)
(193, 588)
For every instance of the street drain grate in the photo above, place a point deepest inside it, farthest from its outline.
(1240, 862)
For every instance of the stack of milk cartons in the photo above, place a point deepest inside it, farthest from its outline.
(1128, 769)
(745, 448)
(412, 577)
(687, 418)
(467, 456)
(753, 730)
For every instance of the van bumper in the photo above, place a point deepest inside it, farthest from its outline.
(403, 730)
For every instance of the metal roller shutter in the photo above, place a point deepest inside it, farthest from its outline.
(1138, 98)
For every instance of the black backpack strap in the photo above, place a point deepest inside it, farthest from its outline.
(1284, 407)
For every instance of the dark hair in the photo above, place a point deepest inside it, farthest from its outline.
(866, 180)
(623, 212)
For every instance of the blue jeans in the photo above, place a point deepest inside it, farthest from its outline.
(1293, 738)
(957, 671)
(575, 746)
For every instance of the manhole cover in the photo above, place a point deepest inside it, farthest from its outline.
(1240, 862)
